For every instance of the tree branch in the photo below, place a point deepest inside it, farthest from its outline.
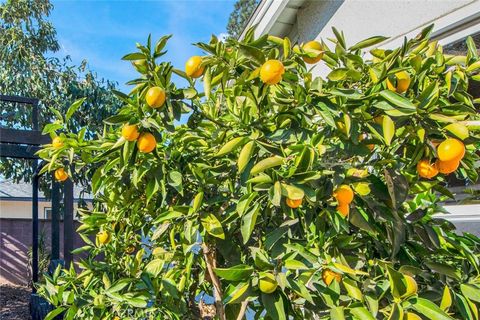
(243, 309)
(217, 292)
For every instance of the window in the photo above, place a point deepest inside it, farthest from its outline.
(47, 213)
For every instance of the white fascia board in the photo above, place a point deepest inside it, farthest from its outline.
(265, 16)
(461, 213)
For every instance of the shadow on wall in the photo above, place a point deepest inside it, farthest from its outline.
(15, 241)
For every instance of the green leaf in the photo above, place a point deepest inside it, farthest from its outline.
(207, 79)
(197, 201)
(397, 100)
(352, 289)
(292, 192)
(429, 309)
(286, 47)
(252, 53)
(337, 313)
(245, 156)
(235, 294)
(119, 285)
(362, 313)
(230, 146)
(235, 273)
(273, 304)
(368, 42)
(292, 264)
(444, 269)
(244, 203)
(134, 56)
(213, 226)
(388, 129)
(55, 312)
(397, 283)
(74, 107)
(276, 194)
(248, 223)
(267, 163)
(154, 267)
(175, 180)
(396, 313)
(470, 291)
(446, 299)
(338, 74)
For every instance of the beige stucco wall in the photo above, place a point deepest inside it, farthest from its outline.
(23, 209)
(360, 19)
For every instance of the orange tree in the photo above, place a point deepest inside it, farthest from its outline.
(284, 195)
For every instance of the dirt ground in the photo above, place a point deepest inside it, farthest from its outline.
(14, 302)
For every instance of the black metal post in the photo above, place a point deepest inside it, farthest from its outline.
(35, 114)
(55, 220)
(35, 226)
(68, 223)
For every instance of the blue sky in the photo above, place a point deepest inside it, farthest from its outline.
(103, 31)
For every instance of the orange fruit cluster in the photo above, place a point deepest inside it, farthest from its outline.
(344, 195)
(450, 152)
(146, 142)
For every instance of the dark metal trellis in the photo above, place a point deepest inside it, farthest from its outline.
(23, 144)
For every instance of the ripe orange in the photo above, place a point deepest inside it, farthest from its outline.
(155, 97)
(402, 82)
(343, 194)
(447, 167)
(130, 132)
(313, 45)
(57, 142)
(426, 170)
(146, 142)
(344, 209)
(293, 203)
(272, 71)
(61, 175)
(193, 67)
(328, 276)
(103, 237)
(451, 149)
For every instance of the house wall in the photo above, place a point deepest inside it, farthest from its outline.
(22, 209)
(15, 241)
(362, 19)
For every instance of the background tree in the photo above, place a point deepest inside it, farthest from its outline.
(28, 69)
(242, 11)
(287, 195)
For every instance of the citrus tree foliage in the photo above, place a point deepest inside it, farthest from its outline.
(236, 209)
(27, 68)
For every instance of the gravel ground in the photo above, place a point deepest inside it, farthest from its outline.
(14, 302)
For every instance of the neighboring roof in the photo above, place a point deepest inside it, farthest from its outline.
(275, 17)
(10, 190)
